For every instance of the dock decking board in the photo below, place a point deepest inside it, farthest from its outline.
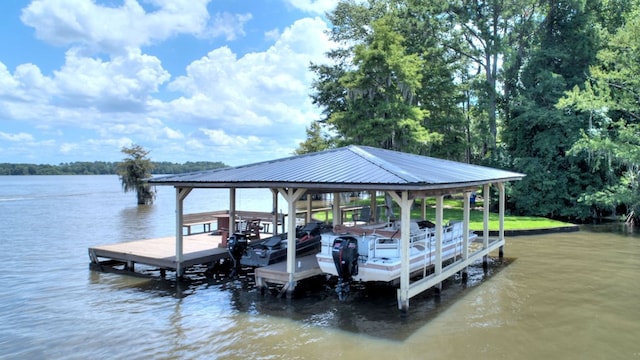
(306, 267)
(160, 252)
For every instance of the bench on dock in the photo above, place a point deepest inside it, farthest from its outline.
(205, 219)
(221, 218)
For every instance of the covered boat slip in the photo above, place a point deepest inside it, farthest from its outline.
(403, 177)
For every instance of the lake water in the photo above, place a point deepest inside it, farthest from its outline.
(561, 296)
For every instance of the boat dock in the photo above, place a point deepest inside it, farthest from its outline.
(198, 249)
(306, 267)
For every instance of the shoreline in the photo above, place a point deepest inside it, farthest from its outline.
(525, 232)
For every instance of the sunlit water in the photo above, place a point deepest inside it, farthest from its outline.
(561, 296)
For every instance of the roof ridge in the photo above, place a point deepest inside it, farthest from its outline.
(385, 165)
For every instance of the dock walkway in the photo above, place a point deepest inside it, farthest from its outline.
(160, 252)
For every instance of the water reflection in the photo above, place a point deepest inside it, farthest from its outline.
(135, 222)
(370, 310)
(614, 227)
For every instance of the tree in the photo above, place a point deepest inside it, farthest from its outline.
(537, 135)
(610, 99)
(380, 94)
(481, 26)
(133, 171)
(368, 95)
(441, 92)
(316, 140)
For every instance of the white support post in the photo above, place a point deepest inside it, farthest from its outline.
(181, 194)
(501, 215)
(373, 203)
(274, 210)
(309, 206)
(232, 210)
(423, 209)
(439, 228)
(485, 207)
(291, 196)
(337, 213)
(466, 217)
(405, 231)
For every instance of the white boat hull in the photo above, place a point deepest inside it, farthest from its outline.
(379, 256)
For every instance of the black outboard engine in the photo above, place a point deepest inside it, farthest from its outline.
(236, 246)
(345, 258)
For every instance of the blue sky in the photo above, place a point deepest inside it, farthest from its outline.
(189, 80)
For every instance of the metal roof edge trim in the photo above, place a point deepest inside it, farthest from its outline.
(333, 186)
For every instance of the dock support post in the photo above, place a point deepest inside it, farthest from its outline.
(181, 194)
(291, 196)
(232, 211)
(309, 207)
(337, 213)
(485, 208)
(466, 216)
(373, 205)
(501, 206)
(439, 219)
(405, 227)
(274, 211)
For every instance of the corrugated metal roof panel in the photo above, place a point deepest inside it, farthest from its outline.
(351, 165)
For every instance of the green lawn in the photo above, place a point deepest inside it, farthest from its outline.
(453, 211)
(510, 222)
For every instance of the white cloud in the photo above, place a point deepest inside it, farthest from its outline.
(221, 138)
(67, 148)
(260, 93)
(272, 35)
(19, 137)
(172, 133)
(109, 93)
(123, 84)
(319, 7)
(229, 25)
(26, 84)
(110, 29)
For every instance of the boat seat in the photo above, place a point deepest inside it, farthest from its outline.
(387, 253)
(363, 215)
(273, 242)
(251, 228)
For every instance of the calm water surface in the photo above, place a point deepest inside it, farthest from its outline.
(563, 296)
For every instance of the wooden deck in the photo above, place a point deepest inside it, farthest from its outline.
(160, 252)
(306, 267)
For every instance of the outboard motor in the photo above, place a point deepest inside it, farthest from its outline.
(345, 258)
(236, 246)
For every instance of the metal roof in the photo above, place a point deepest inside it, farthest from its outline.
(348, 168)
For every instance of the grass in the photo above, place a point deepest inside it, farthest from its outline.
(453, 211)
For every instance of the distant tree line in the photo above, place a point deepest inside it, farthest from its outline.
(103, 168)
